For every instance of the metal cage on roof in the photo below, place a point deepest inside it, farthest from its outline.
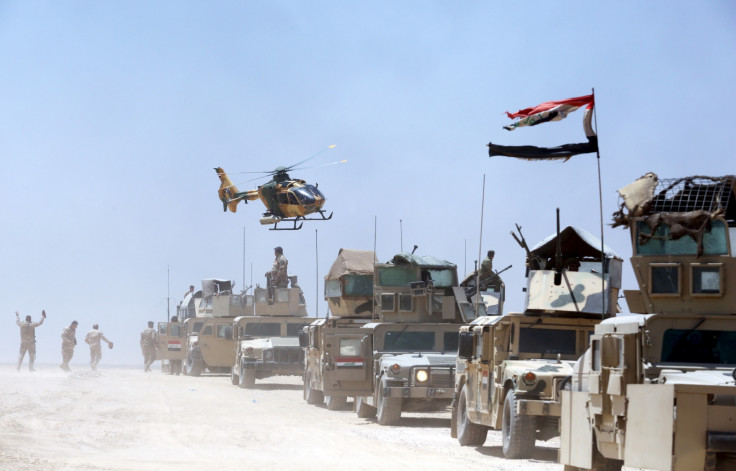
(679, 195)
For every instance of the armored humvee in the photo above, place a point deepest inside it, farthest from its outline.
(210, 342)
(510, 368)
(407, 359)
(266, 343)
(656, 390)
(330, 373)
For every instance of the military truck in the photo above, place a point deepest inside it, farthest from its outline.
(510, 368)
(172, 335)
(407, 358)
(330, 358)
(656, 389)
(210, 342)
(266, 343)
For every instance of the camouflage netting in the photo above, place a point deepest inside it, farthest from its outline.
(420, 260)
(685, 205)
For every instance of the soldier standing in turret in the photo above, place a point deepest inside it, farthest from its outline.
(488, 278)
(68, 342)
(28, 338)
(149, 342)
(94, 338)
(278, 276)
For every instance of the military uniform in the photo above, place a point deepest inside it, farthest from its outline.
(279, 275)
(149, 340)
(68, 342)
(27, 340)
(488, 278)
(94, 338)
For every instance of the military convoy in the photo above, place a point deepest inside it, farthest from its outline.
(266, 342)
(657, 389)
(510, 369)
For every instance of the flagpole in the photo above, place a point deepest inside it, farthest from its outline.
(600, 205)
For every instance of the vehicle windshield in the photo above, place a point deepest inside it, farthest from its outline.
(699, 346)
(396, 276)
(406, 341)
(292, 330)
(714, 241)
(315, 191)
(546, 341)
(358, 285)
(442, 277)
(303, 195)
(265, 329)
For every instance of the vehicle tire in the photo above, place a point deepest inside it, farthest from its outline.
(389, 408)
(247, 378)
(336, 402)
(518, 431)
(194, 366)
(468, 433)
(364, 411)
(234, 379)
(312, 396)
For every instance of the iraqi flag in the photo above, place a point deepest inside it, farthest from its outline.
(543, 113)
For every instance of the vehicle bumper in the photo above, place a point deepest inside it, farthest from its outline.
(296, 369)
(538, 407)
(419, 392)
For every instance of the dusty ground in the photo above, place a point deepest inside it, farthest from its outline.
(124, 419)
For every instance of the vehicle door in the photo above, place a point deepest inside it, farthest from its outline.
(347, 364)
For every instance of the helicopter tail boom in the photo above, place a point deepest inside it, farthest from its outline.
(229, 194)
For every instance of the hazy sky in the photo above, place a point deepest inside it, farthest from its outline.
(114, 114)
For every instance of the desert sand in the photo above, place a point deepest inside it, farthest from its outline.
(125, 419)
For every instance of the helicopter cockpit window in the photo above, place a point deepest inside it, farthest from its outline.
(315, 191)
(283, 198)
(304, 195)
(292, 199)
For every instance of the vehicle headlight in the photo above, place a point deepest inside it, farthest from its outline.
(268, 354)
(395, 368)
(421, 376)
(529, 378)
(249, 350)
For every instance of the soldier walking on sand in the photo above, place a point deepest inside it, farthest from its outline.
(94, 338)
(278, 276)
(68, 342)
(28, 338)
(149, 342)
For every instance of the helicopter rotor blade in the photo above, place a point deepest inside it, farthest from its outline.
(321, 165)
(293, 166)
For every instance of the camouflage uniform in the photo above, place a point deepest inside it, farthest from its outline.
(488, 278)
(279, 276)
(94, 338)
(27, 340)
(149, 340)
(68, 342)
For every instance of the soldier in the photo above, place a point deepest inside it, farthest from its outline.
(488, 278)
(28, 338)
(68, 342)
(93, 338)
(278, 276)
(191, 291)
(149, 342)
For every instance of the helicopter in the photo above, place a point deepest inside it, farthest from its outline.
(287, 200)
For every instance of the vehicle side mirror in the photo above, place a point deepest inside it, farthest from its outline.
(465, 345)
(303, 339)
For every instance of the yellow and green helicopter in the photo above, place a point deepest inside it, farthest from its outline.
(286, 199)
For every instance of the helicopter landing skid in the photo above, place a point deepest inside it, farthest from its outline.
(298, 220)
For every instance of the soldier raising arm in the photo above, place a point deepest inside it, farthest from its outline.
(28, 338)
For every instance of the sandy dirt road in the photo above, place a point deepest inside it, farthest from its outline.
(125, 419)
